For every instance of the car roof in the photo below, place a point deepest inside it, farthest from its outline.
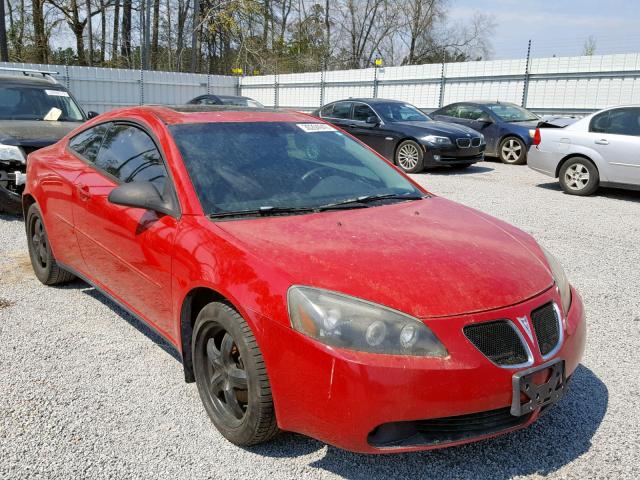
(484, 102)
(370, 101)
(28, 80)
(182, 114)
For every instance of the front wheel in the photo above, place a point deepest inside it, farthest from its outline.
(409, 157)
(579, 176)
(231, 376)
(43, 262)
(513, 151)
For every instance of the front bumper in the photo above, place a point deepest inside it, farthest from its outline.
(435, 156)
(341, 397)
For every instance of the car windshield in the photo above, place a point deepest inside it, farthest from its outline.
(36, 103)
(512, 113)
(400, 112)
(271, 166)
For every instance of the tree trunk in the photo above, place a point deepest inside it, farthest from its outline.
(103, 30)
(78, 29)
(4, 49)
(116, 30)
(154, 35)
(39, 31)
(126, 30)
(89, 33)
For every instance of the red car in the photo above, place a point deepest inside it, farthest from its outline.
(308, 284)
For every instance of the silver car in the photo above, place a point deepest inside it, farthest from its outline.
(602, 149)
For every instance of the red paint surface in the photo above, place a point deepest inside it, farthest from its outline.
(439, 261)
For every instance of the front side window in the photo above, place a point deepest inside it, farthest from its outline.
(297, 165)
(621, 121)
(87, 143)
(326, 110)
(129, 155)
(37, 103)
(361, 112)
(450, 111)
(400, 112)
(512, 113)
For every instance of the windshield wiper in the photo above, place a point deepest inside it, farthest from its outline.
(364, 199)
(264, 211)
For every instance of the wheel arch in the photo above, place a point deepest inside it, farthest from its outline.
(27, 201)
(194, 301)
(569, 156)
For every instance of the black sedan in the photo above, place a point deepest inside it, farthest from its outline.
(405, 135)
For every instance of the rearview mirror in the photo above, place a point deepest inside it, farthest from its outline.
(140, 195)
(484, 118)
(373, 120)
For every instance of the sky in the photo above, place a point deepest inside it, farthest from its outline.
(557, 27)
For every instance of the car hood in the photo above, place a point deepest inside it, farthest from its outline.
(436, 128)
(33, 133)
(428, 258)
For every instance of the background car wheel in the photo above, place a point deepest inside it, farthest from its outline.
(512, 151)
(579, 176)
(409, 157)
(231, 376)
(42, 259)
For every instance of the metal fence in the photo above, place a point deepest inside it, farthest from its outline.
(103, 89)
(570, 85)
(573, 85)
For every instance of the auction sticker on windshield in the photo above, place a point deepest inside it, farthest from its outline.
(315, 127)
(56, 93)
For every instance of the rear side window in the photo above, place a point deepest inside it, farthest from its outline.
(341, 110)
(326, 110)
(129, 155)
(621, 121)
(450, 111)
(469, 112)
(87, 143)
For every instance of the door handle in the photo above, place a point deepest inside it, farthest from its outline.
(602, 141)
(83, 192)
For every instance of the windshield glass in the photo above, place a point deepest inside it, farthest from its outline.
(400, 112)
(239, 166)
(35, 103)
(512, 113)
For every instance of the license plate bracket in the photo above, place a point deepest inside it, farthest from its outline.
(529, 396)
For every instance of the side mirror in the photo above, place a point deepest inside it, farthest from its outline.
(140, 195)
(484, 118)
(373, 120)
(92, 114)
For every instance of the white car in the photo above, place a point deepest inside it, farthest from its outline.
(602, 149)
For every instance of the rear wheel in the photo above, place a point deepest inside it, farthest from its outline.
(512, 151)
(42, 260)
(579, 176)
(231, 376)
(409, 157)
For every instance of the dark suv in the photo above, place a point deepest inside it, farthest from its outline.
(34, 112)
(405, 135)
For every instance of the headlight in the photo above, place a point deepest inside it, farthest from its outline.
(435, 140)
(561, 280)
(12, 153)
(347, 322)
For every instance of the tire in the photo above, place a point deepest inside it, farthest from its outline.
(224, 352)
(579, 176)
(512, 151)
(43, 262)
(409, 157)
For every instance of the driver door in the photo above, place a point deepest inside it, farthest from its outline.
(127, 251)
(377, 136)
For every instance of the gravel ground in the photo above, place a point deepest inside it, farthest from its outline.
(88, 392)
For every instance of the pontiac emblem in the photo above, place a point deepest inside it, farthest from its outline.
(524, 321)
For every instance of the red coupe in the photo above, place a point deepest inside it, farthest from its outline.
(308, 284)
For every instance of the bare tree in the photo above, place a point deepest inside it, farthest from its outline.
(589, 47)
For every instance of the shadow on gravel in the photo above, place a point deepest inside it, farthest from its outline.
(130, 319)
(556, 439)
(11, 217)
(453, 171)
(614, 193)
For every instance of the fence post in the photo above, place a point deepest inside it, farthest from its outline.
(525, 87)
(276, 93)
(141, 81)
(375, 81)
(322, 86)
(208, 83)
(442, 81)
(239, 85)
(66, 77)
